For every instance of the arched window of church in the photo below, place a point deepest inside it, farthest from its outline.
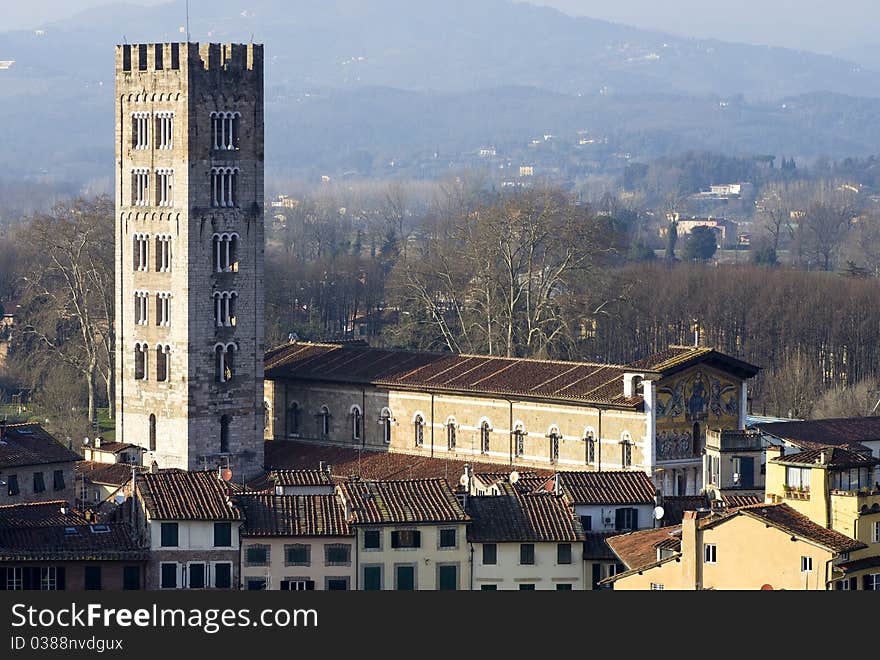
(293, 419)
(590, 440)
(419, 430)
(225, 423)
(356, 420)
(554, 436)
(626, 450)
(386, 420)
(485, 432)
(324, 421)
(519, 439)
(450, 433)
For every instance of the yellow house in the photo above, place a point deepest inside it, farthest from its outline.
(837, 488)
(409, 535)
(762, 546)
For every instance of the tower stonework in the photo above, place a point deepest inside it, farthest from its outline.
(189, 254)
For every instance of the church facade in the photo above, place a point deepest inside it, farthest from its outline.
(651, 415)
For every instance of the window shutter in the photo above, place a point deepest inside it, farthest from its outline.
(59, 578)
(866, 582)
(417, 539)
(310, 585)
(619, 519)
(635, 518)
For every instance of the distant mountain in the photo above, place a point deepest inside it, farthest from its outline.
(399, 76)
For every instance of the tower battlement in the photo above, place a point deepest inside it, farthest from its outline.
(141, 58)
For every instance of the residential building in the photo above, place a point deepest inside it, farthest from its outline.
(763, 546)
(649, 416)
(410, 535)
(34, 466)
(838, 489)
(523, 542)
(189, 254)
(47, 546)
(101, 451)
(296, 543)
(191, 526)
(301, 482)
(101, 487)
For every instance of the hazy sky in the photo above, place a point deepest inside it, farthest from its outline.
(818, 25)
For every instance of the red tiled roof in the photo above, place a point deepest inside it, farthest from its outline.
(732, 500)
(792, 522)
(674, 507)
(300, 478)
(407, 501)
(676, 358)
(828, 456)
(39, 514)
(113, 474)
(114, 447)
(606, 487)
(96, 542)
(543, 379)
(30, 444)
(639, 548)
(186, 496)
(531, 518)
(596, 546)
(368, 464)
(813, 434)
(293, 515)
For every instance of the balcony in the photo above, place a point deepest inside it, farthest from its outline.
(795, 493)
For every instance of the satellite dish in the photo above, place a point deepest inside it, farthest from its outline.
(226, 474)
(659, 512)
(86, 441)
(514, 477)
(464, 481)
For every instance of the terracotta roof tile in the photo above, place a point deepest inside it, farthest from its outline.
(186, 496)
(114, 474)
(792, 522)
(535, 518)
(31, 444)
(293, 515)
(39, 514)
(346, 462)
(848, 431)
(832, 457)
(639, 548)
(112, 541)
(300, 478)
(606, 487)
(407, 501)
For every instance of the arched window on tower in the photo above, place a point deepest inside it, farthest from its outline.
(140, 361)
(152, 433)
(163, 363)
(324, 421)
(224, 362)
(225, 423)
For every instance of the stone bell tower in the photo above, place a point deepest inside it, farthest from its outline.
(189, 254)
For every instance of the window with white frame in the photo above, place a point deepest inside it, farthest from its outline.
(225, 251)
(875, 532)
(554, 436)
(224, 362)
(451, 433)
(14, 578)
(224, 186)
(872, 582)
(141, 253)
(164, 129)
(519, 442)
(163, 363)
(419, 430)
(806, 564)
(224, 308)
(141, 307)
(163, 253)
(626, 450)
(224, 130)
(140, 360)
(49, 578)
(140, 187)
(165, 187)
(386, 420)
(140, 130)
(710, 553)
(163, 308)
(797, 478)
